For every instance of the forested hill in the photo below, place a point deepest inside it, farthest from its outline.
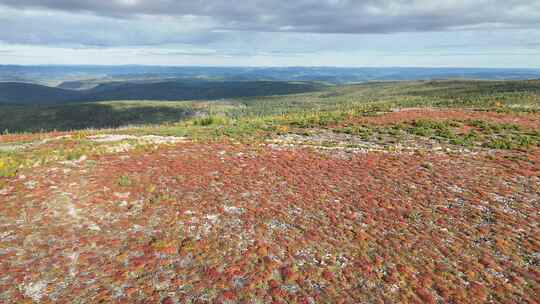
(24, 93)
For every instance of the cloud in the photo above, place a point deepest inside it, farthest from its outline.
(44, 27)
(109, 23)
(316, 16)
(299, 32)
(222, 53)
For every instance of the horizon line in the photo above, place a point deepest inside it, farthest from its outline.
(266, 67)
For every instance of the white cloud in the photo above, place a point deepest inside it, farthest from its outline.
(343, 16)
(270, 32)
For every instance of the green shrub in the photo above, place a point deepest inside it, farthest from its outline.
(211, 120)
(504, 143)
(124, 181)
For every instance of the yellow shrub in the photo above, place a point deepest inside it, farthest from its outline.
(283, 129)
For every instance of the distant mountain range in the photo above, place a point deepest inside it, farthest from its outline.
(56, 74)
(27, 93)
(65, 84)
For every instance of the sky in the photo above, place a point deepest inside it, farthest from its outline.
(353, 33)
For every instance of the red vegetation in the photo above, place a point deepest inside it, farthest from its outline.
(531, 121)
(30, 137)
(226, 222)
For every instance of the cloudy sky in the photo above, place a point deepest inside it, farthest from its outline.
(440, 33)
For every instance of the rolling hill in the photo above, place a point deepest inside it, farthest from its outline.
(513, 95)
(337, 195)
(25, 93)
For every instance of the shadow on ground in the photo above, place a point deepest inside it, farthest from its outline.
(91, 115)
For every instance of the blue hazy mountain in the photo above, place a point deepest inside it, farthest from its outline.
(64, 84)
(328, 74)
